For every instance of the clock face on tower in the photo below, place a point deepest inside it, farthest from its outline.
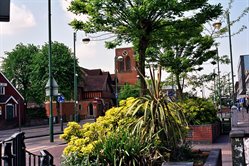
(125, 53)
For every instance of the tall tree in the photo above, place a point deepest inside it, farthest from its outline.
(27, 68)
(62, 70)
(138, 21)
(17, 68)
(185, 49)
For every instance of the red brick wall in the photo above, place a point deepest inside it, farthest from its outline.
(68, 109)
(127, 76)
(204, 133)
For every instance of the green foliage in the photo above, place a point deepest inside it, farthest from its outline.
(199, 111)
(124, 148)
(111, 138)
(128, 91)
(83, 140)
(143, 23)
(62, 69)
(38, 112)
(157, 117)
(17, 68)
(26, 66)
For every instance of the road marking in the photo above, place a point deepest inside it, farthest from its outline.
(37, 149)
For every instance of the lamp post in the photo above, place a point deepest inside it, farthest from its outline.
(50, 87)
(76, 112)
(231, 55)
(219, 86)
(217, 25)
(117, 59)
(75, 80)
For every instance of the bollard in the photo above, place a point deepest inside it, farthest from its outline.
(234, 117)
(46, 158)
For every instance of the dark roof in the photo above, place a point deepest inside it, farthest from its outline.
(96, 83)
(4, 98)
(92, 71)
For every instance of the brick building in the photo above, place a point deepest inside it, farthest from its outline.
(95, 96)
(125, 66)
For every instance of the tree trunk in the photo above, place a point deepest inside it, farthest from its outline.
(143, 44)
(180, 94)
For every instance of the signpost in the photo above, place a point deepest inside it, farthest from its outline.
(61, 99)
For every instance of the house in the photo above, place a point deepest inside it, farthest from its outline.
(95, 96)
(12, 110)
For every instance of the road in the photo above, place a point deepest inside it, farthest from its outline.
(35, 145)
(37, 139)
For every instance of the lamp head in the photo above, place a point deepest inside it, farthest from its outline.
(120, 58)
(217, 25)
(86, 40)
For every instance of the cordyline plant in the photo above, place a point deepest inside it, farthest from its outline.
(158, 117)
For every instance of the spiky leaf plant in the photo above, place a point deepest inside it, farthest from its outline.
(158, 117)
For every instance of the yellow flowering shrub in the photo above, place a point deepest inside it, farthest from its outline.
(73, 129)
(81, 139)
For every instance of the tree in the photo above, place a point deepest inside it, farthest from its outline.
(185, 50)
(17, 68)
(27, 68)
(139, 22)
(62, 70)
(128, 91)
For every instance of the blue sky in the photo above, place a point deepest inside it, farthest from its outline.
(29, 25)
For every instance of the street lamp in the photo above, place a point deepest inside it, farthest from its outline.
(85, 41)
(231, 55)
(218, 66)
(50, 87)
(117, 59)
(75, 79)
(217, 25)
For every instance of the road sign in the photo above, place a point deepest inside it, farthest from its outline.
(61, 99)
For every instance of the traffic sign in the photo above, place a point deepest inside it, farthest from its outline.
(61, 99)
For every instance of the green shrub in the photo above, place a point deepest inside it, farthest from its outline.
(38, 112)
(124, 148)
(128, 91)
(199, 111)
(82, 140)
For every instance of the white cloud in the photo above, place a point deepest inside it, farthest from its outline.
(20, 18)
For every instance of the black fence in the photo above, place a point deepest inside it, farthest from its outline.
(13, 153)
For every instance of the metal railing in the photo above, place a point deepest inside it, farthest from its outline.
(13, 153)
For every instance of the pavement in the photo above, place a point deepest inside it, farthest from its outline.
(223, 142)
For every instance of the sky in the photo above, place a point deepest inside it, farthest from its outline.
(29, 25)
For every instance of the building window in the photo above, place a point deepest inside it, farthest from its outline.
(2, 90)
(121, 66)
(128, 63)
(80, 107)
